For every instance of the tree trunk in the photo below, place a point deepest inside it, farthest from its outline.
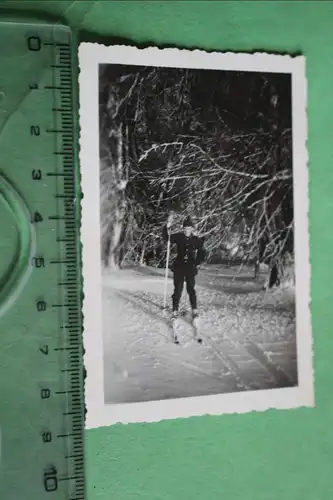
(142, 256)
(105, 251)
(113, 265)
(115, 239)
(257, 270)
(274, 276)
(113, 198)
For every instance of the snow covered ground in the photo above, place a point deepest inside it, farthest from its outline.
(249, 337)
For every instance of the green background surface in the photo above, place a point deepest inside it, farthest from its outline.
(258, 456)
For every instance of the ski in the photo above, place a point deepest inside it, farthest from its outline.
(174, 325)
(195, 326)
(194, 322)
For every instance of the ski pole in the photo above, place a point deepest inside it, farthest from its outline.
(166, 273)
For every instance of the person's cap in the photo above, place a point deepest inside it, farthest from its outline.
(188, 222)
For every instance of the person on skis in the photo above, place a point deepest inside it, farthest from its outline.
(190, 255)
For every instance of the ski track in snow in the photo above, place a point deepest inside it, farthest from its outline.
(249, 339)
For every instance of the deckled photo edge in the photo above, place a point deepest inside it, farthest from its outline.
(301, 235)
(191, 58)
(90, 235)
(99, 414)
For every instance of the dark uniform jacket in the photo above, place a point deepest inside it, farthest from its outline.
(190, 251)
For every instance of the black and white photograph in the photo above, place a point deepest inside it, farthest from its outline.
(195, 233)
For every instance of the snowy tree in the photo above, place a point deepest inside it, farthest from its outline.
(214, 145)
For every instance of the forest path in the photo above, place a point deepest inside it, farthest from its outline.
(248, 337)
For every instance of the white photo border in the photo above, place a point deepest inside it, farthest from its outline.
(91, 55)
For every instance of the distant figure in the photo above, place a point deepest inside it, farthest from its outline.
(274, 279)
(190, 255)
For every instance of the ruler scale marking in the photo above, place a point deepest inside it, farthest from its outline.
(72, 470)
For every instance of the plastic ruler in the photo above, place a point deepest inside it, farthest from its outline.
(41, 369)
